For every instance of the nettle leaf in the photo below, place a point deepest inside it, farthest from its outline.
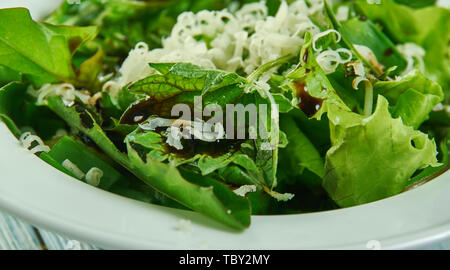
(284, 104)
(250, 165)
(180, 84)
(49, 59)
(227, 159)
(342, 82)
(201, 194)
(412, 98)
(153, 145)
(373, 157)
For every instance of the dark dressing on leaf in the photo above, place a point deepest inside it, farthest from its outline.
(193, 147)
(118, 140)
(308, 104)
(138, 111)
(305, 56)
(388, 52)
(86, 120)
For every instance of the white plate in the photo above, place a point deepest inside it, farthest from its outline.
(41, 195)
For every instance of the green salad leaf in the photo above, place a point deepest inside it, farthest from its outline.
(68, 149)
(429, 173)
(310, 85)
(417, 3)
(301, 151)
(365, 33)
(204, 195)
(124, 23)
(48, 60)
(373, 157)
(181, 84)
(7, 75)
(427, 27)
(19, 111)
(412, 98)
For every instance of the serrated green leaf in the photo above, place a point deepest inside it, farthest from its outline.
(412, 98)
(373, 157)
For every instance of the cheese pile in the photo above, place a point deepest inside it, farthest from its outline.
(232, 41)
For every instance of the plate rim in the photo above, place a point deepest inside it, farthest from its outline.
(22, 204)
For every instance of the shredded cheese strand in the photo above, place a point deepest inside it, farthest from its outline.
(27, 139)
(244, 40)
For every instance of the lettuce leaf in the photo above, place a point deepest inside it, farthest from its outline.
(373, 157)
(412, 98)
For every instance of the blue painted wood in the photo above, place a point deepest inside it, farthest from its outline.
(17, 235)
(57, 242)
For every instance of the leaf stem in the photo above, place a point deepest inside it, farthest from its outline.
(368, 99)
(268, 66)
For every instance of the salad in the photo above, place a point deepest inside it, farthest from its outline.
(233, 108)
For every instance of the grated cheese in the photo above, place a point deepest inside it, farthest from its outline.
(360, 72)
(279, 196)
(27, 139)
(243, 190)
(323, 34)
(369, 56)
(60, 133)
(412, 52)
(179, 129)
(66, 91)
(184, 225)
(342, 13)
(329, 60)
(243, 40)
(70, 166)
(94, 176)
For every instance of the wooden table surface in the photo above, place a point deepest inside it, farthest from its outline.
(17, 235)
